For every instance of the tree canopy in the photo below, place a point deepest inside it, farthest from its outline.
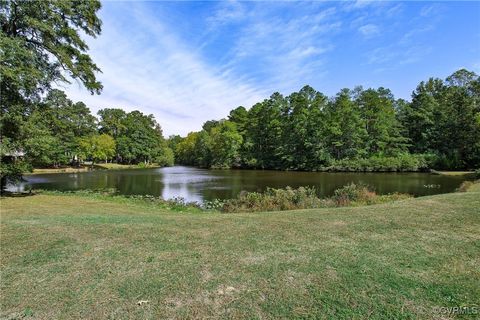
(41, 44)
(357, 129)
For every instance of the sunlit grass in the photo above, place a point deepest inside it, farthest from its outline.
(113, 166)
(65, 257)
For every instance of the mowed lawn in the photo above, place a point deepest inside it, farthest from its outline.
(74, 257)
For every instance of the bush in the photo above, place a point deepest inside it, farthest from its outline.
(166, 158)
(402, 163)
(215, 205)
(362, 194)
(465, 186)
(275, 199)
(306, 198)
(353, 193)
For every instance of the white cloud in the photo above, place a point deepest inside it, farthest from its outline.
(369, 30)
(286, 51)
(227, 12)
(155, 72)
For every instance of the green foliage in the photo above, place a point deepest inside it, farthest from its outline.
(11, 170)
(41, 44)
(165, 158)
(217, 146)
(402, 162)
(274, 199)
(11, 166)
(442, 119)
(352, 193)
(97, 147)
(53, 129)
(465, 186)
(173, 141)
(356, 130)
(345, 130)
(224, 145)
(304, 198)
(112, 122)
(138, 137)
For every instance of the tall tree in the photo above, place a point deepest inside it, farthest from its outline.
(264, 132)
(112, 121)
(225, 143)
(345, 129)
(420, 117)
(381, 124)
(41, 43)
(303, 130)
(141, 140)
(97, 147)
(460, 141)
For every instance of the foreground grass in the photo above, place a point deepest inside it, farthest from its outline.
(71, 257)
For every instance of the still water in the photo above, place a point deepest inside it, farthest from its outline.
(195, 184)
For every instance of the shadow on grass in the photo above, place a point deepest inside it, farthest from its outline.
(10, 194)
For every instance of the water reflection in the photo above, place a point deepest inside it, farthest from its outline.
(195, 184)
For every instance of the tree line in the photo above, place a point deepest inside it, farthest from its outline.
(356, 130)
(60, 132)
(361, 129)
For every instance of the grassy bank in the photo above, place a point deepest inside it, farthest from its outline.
(59, 170)
(117, 166)
(101, 166)
(72, 257)
(455, 173)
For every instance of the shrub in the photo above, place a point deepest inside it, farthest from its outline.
(305, 198)
(215, 205)
(353, 193)
(465, 186)
(165, 158)
(275, 199)
(402, 163)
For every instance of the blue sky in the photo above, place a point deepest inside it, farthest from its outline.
(188, 62)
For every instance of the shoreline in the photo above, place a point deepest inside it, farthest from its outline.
(115, 166)
(100, 166)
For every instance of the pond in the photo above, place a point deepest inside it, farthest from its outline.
(194, 184)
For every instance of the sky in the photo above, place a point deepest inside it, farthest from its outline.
(189, 62)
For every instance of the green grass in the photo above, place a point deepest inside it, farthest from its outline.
(117, 166)
(58, 170)
(102, 166)
(78, 257)
(454, 173)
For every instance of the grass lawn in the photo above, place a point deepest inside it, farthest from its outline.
(75, 257)
(454, 173)
(102, 166)
(115, 166)
(58, 170)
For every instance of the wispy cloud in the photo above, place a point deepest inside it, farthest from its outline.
(164, 77)
(369, 30)
(227, 12)
(191, 62)
(409, 47)
(285, 51)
